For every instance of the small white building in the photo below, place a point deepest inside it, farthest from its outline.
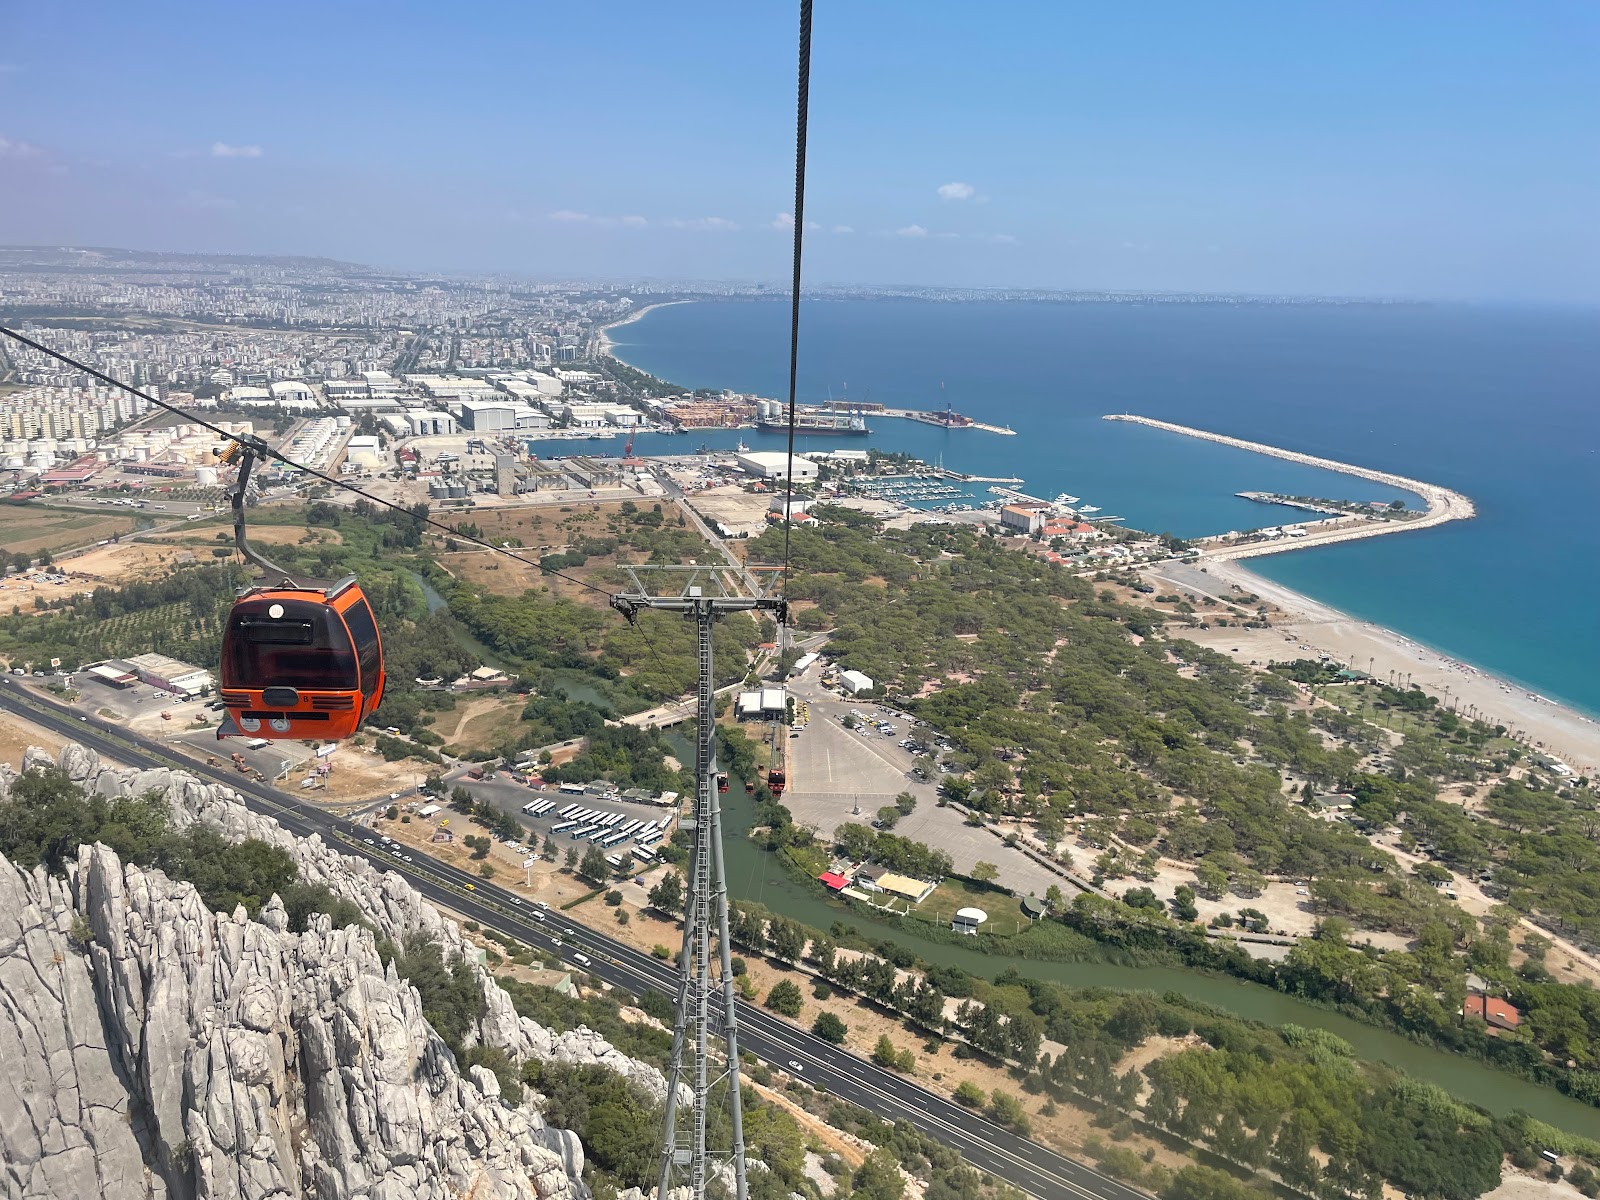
(362, 450)
(967, 920)
(855, 682)
(774, 464)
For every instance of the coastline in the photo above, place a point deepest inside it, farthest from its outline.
(607, 347)
(1443, 504)
(1563, 731)
(1551, 727)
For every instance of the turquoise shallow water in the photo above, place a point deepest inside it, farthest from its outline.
(1497, 403)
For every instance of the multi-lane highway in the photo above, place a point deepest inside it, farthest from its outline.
(1020, 1162)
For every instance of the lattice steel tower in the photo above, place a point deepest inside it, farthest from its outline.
(705, 1000)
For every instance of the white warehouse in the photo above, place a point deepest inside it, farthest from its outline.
(773, 464)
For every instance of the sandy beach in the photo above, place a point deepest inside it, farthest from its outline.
(1307, 627)
(604, 331)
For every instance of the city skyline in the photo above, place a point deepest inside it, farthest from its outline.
(1364, 153)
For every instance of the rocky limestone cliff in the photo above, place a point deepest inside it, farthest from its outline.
(149, 1048)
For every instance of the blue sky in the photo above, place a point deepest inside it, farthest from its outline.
(1416, 149)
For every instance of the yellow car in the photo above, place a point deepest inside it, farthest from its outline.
(469, 887)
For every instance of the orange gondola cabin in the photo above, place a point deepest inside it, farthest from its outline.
(302, 662)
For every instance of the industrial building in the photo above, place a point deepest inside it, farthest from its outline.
(363, 451)
(774, 464)
(429, 422)
(1024, 518)
(855, 682)
(168, 673)
(586, 416)
(765, 704)
(489, 416)
(505, 475)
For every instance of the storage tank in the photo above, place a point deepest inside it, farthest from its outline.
(342, 422)
(205, 477)
(458, 491)
(439, 491)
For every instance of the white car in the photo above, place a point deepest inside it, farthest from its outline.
(396, 853)
(517, 902)
(366, 841)
(407, 857)
(581, 959)
(538, 916)
(794, 1066)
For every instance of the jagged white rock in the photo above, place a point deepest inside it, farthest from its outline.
(153, 1048)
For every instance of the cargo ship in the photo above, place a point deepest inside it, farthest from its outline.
(772, 415)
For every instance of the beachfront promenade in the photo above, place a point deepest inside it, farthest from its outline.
(1443, 504)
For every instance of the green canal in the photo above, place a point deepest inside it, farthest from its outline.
(752, 875)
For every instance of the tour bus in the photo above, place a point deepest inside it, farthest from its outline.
(562, 827)
(615, 860)
(567, 811)
(644, 854)
(573, 789)
(632, 825)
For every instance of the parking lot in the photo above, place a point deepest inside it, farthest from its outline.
(834, 771)
(508, 796)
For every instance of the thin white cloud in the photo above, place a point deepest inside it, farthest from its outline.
(715, 224)
(911, 231)
(842, 229)
(566, 214)
(947, 236)
(783, 221)
(633, 222)
(1004, 239)
(957, 191)
(15, 148)
(224, 150)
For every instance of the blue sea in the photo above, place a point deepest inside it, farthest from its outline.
(1497, 403)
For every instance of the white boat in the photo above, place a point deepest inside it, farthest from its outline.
(741, 448)
(1088, 508)
(1066, 499)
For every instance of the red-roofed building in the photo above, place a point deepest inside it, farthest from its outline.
(1493, 1011)
(833, 881)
